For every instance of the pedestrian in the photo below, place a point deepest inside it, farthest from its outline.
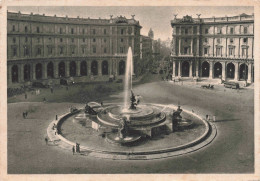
(44, 100)
(56, 117)
(207, 116)
(26, 113)
(79, 147)
(67, 88)
(101, 103)
(73, 150)
(23, 115)
(55, 132)
(46, 140)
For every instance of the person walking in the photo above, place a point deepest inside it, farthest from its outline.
(73, 150)
(46, 140)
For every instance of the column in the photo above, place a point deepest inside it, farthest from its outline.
(100, 67)
(173, 69)
(236, 71)
(56, 69)
(211, 69)
(33, 72)
(89, 67)
(179, 46)
(191, 45)
(190, 72)
(44, 70)
(249, 77)
(110, 64)
(78, 68)
(20, 73)
(197, 68)
(116, 67)
(179, 68)
(67, 68)
(224, 71)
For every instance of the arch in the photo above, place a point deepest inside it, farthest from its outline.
(205, 69)
(72, 68)
(121, 68)
(62, 69)
(14, 73)
(185, 69)
(94, 67)
(243, 71)
(83, 68)
(217, 70)
(50, 70)
(27, 72)
(38, 71)
(230, 70)
(104, 67)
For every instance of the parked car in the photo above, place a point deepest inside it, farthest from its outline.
(38, 85)
(232, 85)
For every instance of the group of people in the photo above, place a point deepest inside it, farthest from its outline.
(77, 148)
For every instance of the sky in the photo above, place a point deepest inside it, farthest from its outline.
(156, 17)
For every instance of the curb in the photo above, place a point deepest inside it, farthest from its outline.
(207, 137)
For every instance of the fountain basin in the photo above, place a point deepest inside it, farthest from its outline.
(140, 118)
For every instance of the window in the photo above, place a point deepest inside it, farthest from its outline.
(245, 40)
(26, 51)
(122, 40)
(218, 40)
(26, 39)
(60, 30)
(14, 40)
(185, 50)
(231, 51)
(205, 51)
(231, 30)
(13, 27)
(121, 49)
(61, 40)
(61, 50)
(83, 39)
(49, 39)
(83, 50)
(38, 29)
(105, 40)
(93, 31)
(105, 31)
(206, 40)
(105, 50)
(231, 40)
(72, 40)
(72, 50)
(83, 31)
(244, 52)
(94, 39)
(38, 40)
(39, 51)
(14, 51)
(49, 50)
(122, 31)
(186, 31)
(219, 31)
(94, 50)
(72, 31)
(25, 29)
(218, 51)
(206, 31)
(245, 30)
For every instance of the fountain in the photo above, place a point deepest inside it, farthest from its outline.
(138, 120)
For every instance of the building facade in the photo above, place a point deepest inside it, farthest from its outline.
(213, 47)
(45, 48)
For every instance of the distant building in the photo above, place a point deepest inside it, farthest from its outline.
(45, 48)
(146, 44)
(213, 47)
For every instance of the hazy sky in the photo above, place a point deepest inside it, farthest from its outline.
(156, 17)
